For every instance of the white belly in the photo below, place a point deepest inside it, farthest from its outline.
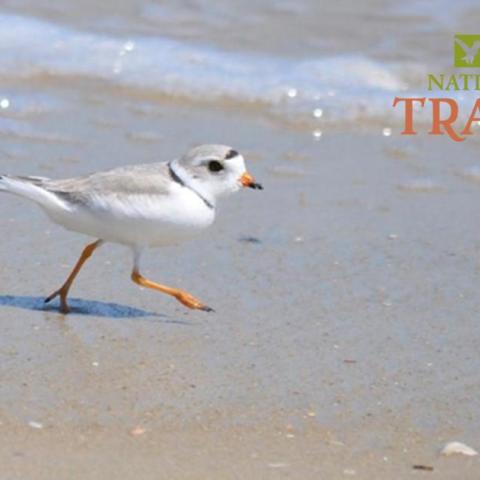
(140, 220)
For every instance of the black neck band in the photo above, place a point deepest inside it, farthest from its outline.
(174, 176)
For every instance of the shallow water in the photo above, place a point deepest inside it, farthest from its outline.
(286, 59)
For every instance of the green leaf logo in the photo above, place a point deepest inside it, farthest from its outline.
(466, 50)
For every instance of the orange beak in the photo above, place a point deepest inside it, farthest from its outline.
(248, 181)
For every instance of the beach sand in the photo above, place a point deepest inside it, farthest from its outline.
(344, 339)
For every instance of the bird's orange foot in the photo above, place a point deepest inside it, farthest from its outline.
(191, 302)
(64, 308)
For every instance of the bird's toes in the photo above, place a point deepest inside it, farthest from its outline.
(191, 302)
(206, 308)
(50, 297)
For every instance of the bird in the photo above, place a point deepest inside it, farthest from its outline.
(470, 52)
(140, 206)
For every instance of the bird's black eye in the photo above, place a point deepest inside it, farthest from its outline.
(215, 166)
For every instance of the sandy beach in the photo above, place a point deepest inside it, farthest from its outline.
(345, 338)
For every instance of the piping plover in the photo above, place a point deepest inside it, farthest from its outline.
(140, 206)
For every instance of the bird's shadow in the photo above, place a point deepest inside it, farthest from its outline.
(79, 306)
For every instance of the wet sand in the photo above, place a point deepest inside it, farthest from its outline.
(345, 338)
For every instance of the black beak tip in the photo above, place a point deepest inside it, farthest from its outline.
(256, 186)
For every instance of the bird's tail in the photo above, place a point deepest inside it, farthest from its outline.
(31, 188)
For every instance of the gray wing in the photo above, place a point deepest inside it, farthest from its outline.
(147, 179)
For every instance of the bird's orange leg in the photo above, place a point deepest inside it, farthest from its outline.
(183, 297)
(63, 290)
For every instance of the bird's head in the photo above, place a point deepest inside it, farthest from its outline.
(214, 171)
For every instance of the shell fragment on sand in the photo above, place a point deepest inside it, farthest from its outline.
(36, 425)
(453, 448)
(137, 431)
